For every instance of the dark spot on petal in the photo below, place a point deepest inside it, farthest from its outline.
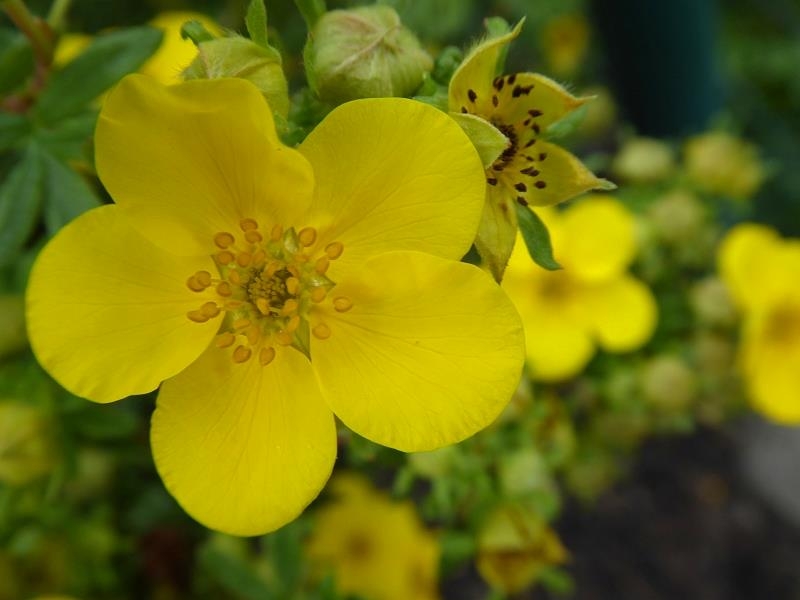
(526, 122)
(521, 90)
(498, 83)
(520, 187)
(535, 113)
(464, 109)
(522, 201)
(542, 155)
(472, 95)
(532, 171)
(497, 167)
(511, 79)
(536, 129)
(491, 181)
(495, 101)
(530, 143)
(540, 184)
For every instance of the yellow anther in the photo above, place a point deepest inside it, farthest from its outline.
(322, 264)
(273, 267)
(241, 354)
(234, 277)
(276, 233)
(243, 259)
(203, 277)
(253, 236)
(342, 303)
(289, 307)
(293, 285)
(253, 335)
(233, 304)
(318, 294)
(197, 316)
(209, 310)
(224, 239)
(321, 331)
(301, 258)
(334, 250)
(266, 356)
(248, 225)
(293, 270)
(293, 324)
(225, 340)
(262, 305)
(307, 236)
(224, 288)
(259, 257)
(225, 257)
(284, 338)
(242, 323)
(194, 285)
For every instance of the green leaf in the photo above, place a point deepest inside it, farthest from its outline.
(256, 22)
(104, 62)
(13, 129)
(20, 201)
(233, 574)
(66, 194)
(16, 60)
(537, 238)
(71, 138)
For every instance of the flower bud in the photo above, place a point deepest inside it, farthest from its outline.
(677, 217)
(720, 163)
(364, 52)
(712, 303)
(644, 160)
(240, 57)
(668, 383)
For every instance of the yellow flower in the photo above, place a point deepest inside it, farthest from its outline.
(529, 170)
(375, 547)
(514, 546)
(271, 287)
(720, 163)
(761, 271)
(593, 300)
(69, 46)
(175, 53)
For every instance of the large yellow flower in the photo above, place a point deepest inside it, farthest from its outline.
(530, 170)
(272, 287)
(761, 271)
(593, 300)
(375, 547)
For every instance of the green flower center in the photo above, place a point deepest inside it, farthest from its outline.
(266, 290)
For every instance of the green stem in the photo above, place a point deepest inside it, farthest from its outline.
(311, 10)
(55, 18)
(35, 29)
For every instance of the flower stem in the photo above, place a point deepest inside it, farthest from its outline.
(35, 29)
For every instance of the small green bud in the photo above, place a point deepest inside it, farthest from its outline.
(240, 57)
(365, 52)
(677, 217)
(712, 303)
(668, 383)
(644, 160)
(525, 472)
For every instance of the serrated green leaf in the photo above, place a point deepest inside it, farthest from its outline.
(66, 194)
(13, 129)
(232, 574)
(256, 22)
(104, 62)
(16, 60)
(537, 238)
(71, 138)
(20, 201)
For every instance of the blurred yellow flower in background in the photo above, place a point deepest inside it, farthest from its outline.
(375, 547)
(720, 163)
(270, 288)
(529, 170)
(762, 272)
(515, 545)
(593, 300)
(565, 40)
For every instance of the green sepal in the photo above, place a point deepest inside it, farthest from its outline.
(20, 202)
(16, 60)
(256, 22)
(195, 31)
(488, 140)
(568, 124)
(497, 231)
(104, 62)
(66, 194)
(537, 238)
(498, 27)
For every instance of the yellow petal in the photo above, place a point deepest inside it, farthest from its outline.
(599, 238)
(106, 309)
(746, 262)
(429, 354)
(243, 448)
(622, 313)
(191, 160)
(497, 231)
(476, 73)
(773, 381)
(394, 174)
(544, 174)
(558, 346)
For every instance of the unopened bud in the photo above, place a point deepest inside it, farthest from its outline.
(365, 52)
(712, 303)
(677, 217)
(668, 384)
(644, 160)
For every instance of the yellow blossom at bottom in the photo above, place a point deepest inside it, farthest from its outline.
(762, 271)
(270, 287)
(375, 547)
(592, 300)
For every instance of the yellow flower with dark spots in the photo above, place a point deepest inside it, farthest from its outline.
(271, 287)
(530, 170)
